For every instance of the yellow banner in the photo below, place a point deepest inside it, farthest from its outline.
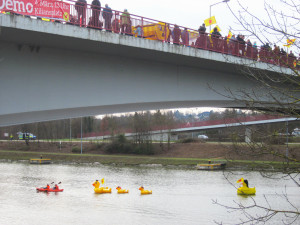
(210, 21)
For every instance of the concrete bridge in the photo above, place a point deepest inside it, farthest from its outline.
(52, 71)
(171, 133)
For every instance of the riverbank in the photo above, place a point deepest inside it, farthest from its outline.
(185, 154)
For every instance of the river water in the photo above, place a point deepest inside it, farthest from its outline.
(180, 196)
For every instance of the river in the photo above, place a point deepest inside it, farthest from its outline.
(180, 196)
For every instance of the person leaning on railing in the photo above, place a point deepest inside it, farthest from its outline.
(116, 23)
(255, 51)
(107, 15)
(201, 40)
(225, 44)
(168, 33)
(185, 37)
(283, 57)
(241, 45)
(291, 59)
(275, 54)
(125, 22)
(176, 35)
(138, 31)
(215, 39)
(80, 7)
(248, 48)
(96, 9)
(202, 29)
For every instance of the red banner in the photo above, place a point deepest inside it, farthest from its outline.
(40, 8)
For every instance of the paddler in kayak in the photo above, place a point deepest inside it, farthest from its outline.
(47, 188)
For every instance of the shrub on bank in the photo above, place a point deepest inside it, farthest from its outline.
(144, 149)
(123, 146)
(76, 149)
(190, 140)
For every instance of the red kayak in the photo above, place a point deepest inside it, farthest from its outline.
(49, 190)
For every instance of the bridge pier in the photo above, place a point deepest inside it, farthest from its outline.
(248, 135)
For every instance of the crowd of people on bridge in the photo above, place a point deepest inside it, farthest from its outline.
(237, 45)
(110, 20)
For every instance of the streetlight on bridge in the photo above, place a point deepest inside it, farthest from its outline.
(225, 1)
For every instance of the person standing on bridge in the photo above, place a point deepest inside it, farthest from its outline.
(138, 31)
(202, 29)
(125, 22)
(107, 15)
(202, 39)
(80, 7)
(185, 37)
(176, 35)
(116, 23)
(96, 9)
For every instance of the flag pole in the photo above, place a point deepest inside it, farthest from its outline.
(225, 1)
(210, 17)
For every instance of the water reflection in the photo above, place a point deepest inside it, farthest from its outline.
(180, 196)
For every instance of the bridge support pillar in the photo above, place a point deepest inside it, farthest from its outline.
(248, 135)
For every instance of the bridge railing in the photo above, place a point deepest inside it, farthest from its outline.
(89, 16)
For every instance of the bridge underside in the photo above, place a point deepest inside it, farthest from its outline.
(54, 71)
(38, 116)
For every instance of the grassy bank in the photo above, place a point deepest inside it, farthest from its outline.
(137, 160)
(104, 159)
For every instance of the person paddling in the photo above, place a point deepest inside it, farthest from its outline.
(56, 186)
(47, 187)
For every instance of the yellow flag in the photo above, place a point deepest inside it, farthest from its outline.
(229, 36)
(210, 21)
(102, 181)
(289, 42)
(218, 28)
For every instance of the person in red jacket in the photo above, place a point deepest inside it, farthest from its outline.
(47, 187)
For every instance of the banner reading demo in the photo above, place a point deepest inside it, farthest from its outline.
(40, 8)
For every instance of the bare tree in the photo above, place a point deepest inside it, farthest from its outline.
(280, 83)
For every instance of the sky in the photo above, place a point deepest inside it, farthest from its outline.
(192, 13)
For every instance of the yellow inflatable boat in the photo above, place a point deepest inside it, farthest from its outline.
(244, 189)
(121, 191)
(144, 192)
(100, 190)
